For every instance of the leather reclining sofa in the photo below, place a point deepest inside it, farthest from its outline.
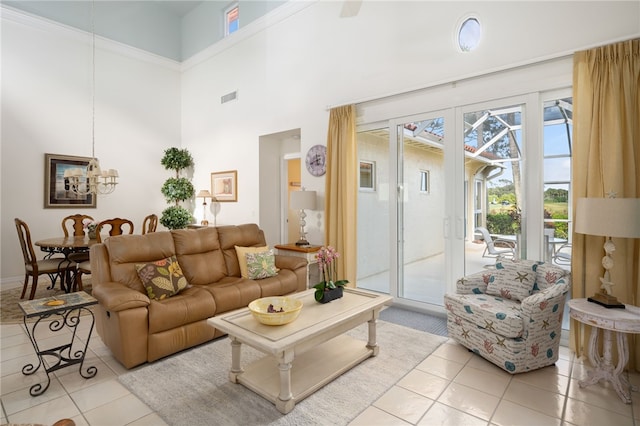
(138, 329)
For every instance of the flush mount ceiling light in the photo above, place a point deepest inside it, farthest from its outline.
(468, 34)
(92, 179)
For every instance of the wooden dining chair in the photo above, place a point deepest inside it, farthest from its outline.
(75, 222)
(33, 267)
(117, 226)
(149, 224)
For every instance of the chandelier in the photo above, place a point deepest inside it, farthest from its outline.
(92, 179)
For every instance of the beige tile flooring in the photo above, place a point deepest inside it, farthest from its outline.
(450, 387)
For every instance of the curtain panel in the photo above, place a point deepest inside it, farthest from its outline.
(606, 160)
(341, 209)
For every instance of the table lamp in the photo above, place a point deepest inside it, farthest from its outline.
(204, 194)
(301, 200)
(608, 217)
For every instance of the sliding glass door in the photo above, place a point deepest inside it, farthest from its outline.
(421, 192)
(403, 193)
(429, 181)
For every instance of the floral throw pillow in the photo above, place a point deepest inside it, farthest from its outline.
(261, 265)
(162, 279)
(512, 280)
(241, 252)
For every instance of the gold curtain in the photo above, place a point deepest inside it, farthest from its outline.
(341, 185)
(606, 132)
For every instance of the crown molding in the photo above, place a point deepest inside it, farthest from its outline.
(8, 13)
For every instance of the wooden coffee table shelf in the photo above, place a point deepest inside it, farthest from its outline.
(306, 354)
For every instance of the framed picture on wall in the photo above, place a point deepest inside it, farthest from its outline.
(224, 186)
(57, 192)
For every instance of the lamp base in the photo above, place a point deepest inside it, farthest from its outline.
(302, 242)
(606, 300)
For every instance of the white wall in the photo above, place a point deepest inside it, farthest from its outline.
(286, 72)
(46, 108)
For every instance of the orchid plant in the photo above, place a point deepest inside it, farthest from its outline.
(327, 260)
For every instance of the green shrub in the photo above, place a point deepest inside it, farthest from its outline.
(177, 189)
(175, 217)
(176, 159)
(500, 223)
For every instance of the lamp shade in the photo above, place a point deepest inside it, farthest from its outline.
(303, 200)
(204, 193)
(608, 217)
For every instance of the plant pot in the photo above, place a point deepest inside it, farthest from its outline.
(331, 294)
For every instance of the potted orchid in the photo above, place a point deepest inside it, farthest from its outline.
(330, 288)
(90, 228)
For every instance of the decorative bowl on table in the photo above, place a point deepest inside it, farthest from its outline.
(276, 310)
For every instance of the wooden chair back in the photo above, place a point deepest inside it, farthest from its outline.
(75, 222)
(149, 224)
(24, 235)
(116, 227)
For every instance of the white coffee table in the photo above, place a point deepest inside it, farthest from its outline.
(306, 354)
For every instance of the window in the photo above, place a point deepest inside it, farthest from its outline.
(468, 34)
(424, 181)
(558, 131)
(231, 19)
(367, 175)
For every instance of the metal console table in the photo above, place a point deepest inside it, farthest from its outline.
(63, 311)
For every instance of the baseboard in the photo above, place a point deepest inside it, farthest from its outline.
(16, 282)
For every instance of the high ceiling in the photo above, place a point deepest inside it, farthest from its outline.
(174, 29)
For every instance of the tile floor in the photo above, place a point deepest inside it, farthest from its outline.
(450, 387)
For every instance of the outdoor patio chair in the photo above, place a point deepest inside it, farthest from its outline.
(505, 249)
(562, 256)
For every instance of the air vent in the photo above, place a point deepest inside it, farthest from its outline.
(229, 97)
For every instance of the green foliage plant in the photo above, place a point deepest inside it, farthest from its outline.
(176, 189)
(175, 217)
(176, 159)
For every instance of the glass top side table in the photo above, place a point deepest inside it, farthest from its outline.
(58, 312)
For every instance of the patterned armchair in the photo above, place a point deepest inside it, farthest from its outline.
(512, 316)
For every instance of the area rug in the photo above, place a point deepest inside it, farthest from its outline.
(10, 312)
(193, 388)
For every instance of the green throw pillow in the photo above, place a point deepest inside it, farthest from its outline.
(261, 265)
(162, 279)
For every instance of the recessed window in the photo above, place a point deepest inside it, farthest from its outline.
(231, 19)
(367, 175)
(469, 34)
(424, 181)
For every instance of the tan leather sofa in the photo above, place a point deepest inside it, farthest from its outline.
(138, 329)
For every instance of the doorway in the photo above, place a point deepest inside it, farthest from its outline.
(273, 180)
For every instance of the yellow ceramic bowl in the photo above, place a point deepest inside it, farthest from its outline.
(291, 309)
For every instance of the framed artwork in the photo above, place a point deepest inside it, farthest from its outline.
(224, 186)
(57, 193)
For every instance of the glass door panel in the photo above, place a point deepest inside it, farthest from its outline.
(374, 246)
(492, 140)
(421, 210)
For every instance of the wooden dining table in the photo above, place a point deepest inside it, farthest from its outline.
(65, 246)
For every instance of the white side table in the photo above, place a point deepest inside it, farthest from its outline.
(308, 253)
(616, 322)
